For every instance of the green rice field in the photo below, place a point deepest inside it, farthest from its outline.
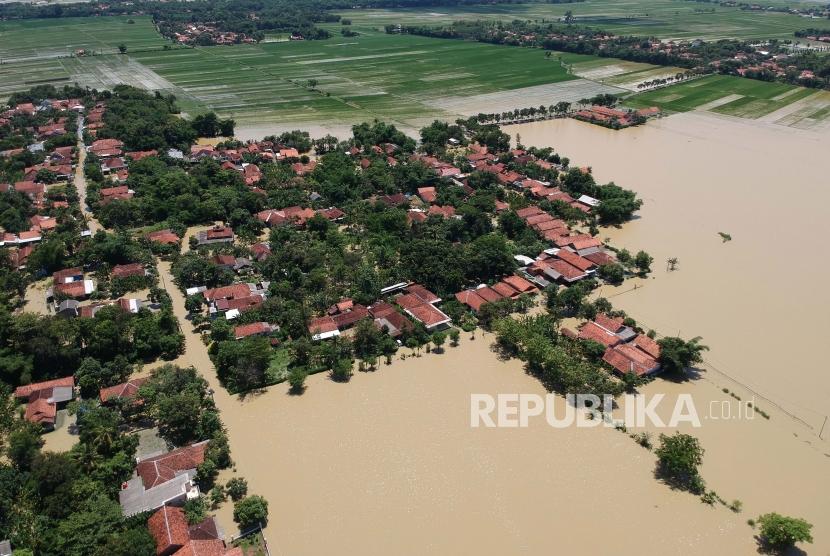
(668, 19)
(734, 96)
(48, 38)
(393, 77)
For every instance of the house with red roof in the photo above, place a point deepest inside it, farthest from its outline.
(253, 329)
(174, 537)
(630, 358)
(127, 270)
(217, 234)
(419, 303)
(44, 399)
(428, 194)
(167, 478)
(166, 237)
(323, 328)
(125, 391)
(471, 299)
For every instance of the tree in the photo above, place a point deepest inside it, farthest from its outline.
(438, 339)
(676, 354)
(642, 261)
(122, 48)
(614, 273)
(237, 488)
(250, 511)
(781, 532)
(296, 379)
(195, 510)
(678, 458)
(341, 371)
(24, 443)
(454, 336)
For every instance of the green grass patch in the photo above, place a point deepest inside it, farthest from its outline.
(757, 97)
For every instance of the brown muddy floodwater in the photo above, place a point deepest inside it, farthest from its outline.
(388, 464)
(759, 301)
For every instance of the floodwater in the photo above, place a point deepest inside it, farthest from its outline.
(759, 300)
(388, 464)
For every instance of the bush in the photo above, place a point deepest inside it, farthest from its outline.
(195, 510)
(237, 488)
(678, 458)
(250, 511)
(781, 532)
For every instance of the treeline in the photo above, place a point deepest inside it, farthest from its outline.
(252, 18)
(697, 56)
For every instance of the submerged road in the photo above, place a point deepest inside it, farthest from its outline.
(80, 180)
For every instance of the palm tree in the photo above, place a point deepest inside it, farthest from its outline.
(671, 264)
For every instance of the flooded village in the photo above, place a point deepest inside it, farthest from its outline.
(258, 338)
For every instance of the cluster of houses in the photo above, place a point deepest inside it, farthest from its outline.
(413, 300)
(615, 117)
(70, 288)
(510, 287)
(206, 33)
(162, 483)
(625, 350)
(58, 164)
(233, 300)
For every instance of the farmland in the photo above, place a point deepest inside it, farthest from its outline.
(734, 96)
(404, 79)
(399, 78)
(668, 19)
(49, 38)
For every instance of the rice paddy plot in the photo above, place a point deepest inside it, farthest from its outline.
(668, 19)
(749, 98)
(345, 81)
(36, 39)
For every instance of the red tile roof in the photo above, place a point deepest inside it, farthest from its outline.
(322, 325)
(528, 211)
(125, 270)
(489, 294)
(611, 324)
(39, 410)
(127, 389)
(428, 315)
(242, 304)
(168, 526)
(520, 284)
(471, 299)
(575, 260)
(245, 330)
(422, 293)
(592, 331)
(213, 547)
(160, 469)
(227, 292)
(626, 358)
(163, 236)
(428, 194)
(27, 390)
(505, 290)
(647, 345)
